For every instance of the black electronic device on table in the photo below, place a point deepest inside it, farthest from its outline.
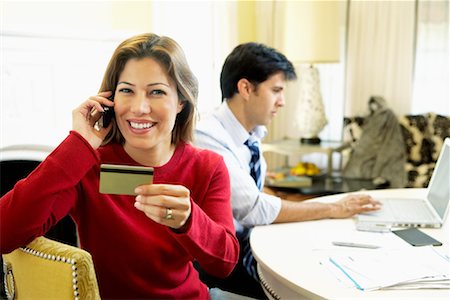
(416, 237)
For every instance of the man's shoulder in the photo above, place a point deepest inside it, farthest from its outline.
(210, 130)
(209, 124)
(201, 153)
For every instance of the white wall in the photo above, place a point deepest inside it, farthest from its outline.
(53, 56)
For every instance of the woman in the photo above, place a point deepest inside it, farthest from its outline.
(142, 246)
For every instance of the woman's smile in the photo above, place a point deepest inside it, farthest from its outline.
(140, 126)
(146, 106)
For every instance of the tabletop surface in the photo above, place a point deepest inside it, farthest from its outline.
(294, 145)
(289, 252)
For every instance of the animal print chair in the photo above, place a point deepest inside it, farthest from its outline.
(424, 135)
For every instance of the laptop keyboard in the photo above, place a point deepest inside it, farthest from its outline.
(408, 210)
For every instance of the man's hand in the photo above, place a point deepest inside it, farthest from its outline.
(354, 204)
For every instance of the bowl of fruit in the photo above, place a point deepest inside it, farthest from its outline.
(305, 169)
(297, 176)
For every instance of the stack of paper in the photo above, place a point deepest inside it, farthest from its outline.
(412, 268)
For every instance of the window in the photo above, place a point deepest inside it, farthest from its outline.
(431, 74)
(206, 32)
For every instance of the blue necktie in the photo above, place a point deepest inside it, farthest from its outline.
(255, 163)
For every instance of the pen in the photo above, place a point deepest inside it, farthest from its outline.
(356, 245)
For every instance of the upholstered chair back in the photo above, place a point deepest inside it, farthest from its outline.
(46, 269)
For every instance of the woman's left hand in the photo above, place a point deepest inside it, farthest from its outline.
(165, 204)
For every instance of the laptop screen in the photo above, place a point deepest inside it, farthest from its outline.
(439, 187)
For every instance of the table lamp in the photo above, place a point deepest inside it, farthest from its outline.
(311, 36)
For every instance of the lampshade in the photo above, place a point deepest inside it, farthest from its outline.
(311, 30)
(309, 35)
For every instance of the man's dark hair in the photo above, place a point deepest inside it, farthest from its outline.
(254, 62)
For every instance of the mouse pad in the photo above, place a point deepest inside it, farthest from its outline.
(416, 237)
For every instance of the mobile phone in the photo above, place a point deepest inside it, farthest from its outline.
(416, 237)
(107, 114)
(373, 226)
(123, 179)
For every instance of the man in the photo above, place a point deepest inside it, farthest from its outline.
(253, 80)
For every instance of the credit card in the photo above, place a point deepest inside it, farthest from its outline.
(123, 179)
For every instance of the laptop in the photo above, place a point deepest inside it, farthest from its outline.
(416, 212)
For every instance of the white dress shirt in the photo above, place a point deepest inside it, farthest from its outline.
(223, 133)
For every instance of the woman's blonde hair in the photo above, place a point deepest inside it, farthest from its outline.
(170, 55)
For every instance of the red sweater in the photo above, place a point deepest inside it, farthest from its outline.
(134, 257)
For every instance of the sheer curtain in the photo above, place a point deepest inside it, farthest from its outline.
(396, 49)
(380, 55)
(332, 77)
(399, 50)
(331, 82)
(431, 74)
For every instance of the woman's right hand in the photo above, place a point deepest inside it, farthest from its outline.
(87, 114)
